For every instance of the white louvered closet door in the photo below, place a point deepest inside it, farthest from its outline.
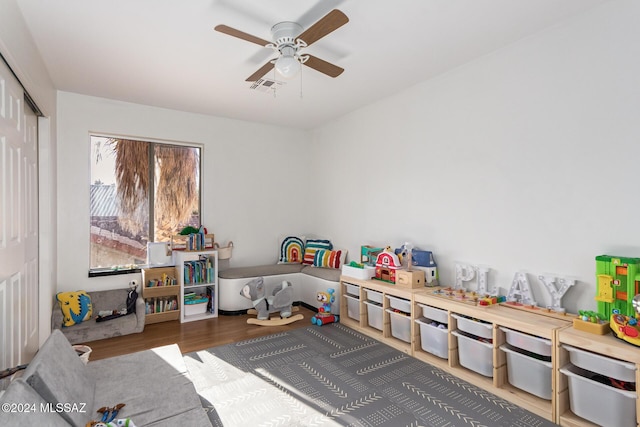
(18, 224)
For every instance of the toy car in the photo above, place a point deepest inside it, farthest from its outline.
(322, 318)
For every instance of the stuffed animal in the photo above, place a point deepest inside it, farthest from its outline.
(280, 300)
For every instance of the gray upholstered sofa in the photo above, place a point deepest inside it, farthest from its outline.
(90, 330)
(58, 389)
(306, 280)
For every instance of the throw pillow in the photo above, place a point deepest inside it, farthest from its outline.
(329, 259)
(76, 307)
(291, 250)
(310, 248)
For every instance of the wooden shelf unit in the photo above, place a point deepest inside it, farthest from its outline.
(497, 315)
(168, 292)
(180, 242)
(362, 324)
(183, 257)
(603, 345)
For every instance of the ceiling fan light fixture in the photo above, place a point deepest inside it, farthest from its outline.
(288, 40)
(288, 64)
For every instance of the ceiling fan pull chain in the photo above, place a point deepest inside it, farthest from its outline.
(275, 85)
(300, 81)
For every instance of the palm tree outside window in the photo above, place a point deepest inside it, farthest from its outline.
(141, 191)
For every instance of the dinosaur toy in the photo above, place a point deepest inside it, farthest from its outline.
(280, 301)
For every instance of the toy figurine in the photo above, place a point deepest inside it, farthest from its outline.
(324, 315)
(109, 418)
(280, 301)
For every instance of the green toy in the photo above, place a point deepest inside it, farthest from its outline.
(189, 230)
(618, 281)
(591, 316)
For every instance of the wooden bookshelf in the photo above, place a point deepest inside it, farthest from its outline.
(190, 242)
(157, 293)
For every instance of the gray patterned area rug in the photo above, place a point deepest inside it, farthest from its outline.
(335, 376)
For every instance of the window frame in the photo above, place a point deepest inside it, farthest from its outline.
(112, 271)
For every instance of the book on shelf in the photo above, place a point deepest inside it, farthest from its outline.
(199, 271)
(211, 308)
(160, 305)
(164, 280)
(195, 299)
(192, 242)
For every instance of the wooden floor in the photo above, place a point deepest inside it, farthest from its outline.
(193, 336)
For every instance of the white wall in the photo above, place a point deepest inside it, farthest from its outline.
(523, 159)
(21, 53)
(252, 179)
(526, 159)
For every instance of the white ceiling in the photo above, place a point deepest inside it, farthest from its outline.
(165, 53)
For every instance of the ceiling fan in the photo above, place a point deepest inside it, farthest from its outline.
(288, 41)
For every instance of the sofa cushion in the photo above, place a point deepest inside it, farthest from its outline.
(153, 384)
(330, 274)
(30, 409)
(260, 270)
(311, 246)
(76, 307)
(291, 250)
(329, 259)
(58, 375)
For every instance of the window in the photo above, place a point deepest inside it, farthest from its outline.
(141, 192)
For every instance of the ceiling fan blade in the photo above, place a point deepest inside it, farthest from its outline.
(261, 72)
(241, 35)
(329, 23)
(323, 66)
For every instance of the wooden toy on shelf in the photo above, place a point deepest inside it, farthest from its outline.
(466, 297)
(417, 259)
(592, 322)
(410, 279)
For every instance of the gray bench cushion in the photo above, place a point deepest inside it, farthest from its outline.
(331, 274)
(58, 375)
(20, 393)
(260, 270)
